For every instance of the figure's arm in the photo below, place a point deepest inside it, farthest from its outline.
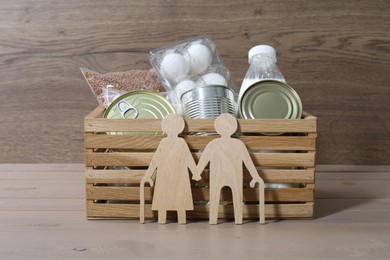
(191, 163)
(150, 171)
(251, 168)
(189, 158)
(203, 161)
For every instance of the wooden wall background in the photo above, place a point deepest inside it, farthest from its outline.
(336, 54)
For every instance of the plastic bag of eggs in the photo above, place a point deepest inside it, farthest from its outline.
(191, 63)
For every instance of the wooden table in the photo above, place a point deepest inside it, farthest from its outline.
(42, 217)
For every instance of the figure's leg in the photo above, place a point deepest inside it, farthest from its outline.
(162, 216)
(181, 216)
(237, 204)
(214, 204)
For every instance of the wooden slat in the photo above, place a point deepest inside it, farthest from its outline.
(121, 125)
(114, 176)
(279, 142)
(304, 210)
(268, 175)
(126, 141)
(277, 125)
(143, 159)
(202, 194)
(285, 175)
(201, 125)
(143, 142)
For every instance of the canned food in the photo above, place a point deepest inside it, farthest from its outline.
(208, 102)
(270, 99)
(139, 104)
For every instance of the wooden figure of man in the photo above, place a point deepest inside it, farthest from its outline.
(226, 156)
(171, 162)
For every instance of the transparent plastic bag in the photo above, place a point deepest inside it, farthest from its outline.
(109, 94)
(123, 82)
(189, 64)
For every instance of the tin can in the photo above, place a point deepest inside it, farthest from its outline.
(208, 102)
(270, 99)
(139, 104)
(136, 104)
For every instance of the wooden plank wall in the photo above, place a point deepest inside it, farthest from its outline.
(336, 54)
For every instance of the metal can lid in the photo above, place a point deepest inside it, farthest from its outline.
(139, 104)
(270, 99)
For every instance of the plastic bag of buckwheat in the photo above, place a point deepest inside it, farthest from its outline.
(121, 82)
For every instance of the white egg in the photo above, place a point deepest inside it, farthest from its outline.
(174, 67)
(185, 86)
(214, 79)
(198, 57)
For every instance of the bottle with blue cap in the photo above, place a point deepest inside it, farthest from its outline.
(262, 66)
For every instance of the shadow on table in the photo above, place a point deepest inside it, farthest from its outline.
(329, 206)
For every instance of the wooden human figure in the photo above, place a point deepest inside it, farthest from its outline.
(226, 156)
(171, 162)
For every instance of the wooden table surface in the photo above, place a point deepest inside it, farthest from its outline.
(42, 217)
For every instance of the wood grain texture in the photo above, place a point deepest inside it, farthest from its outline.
(135, 176)
(141, 142)
(271, 195)
(352, 221)
(336, 54)
(143, 159)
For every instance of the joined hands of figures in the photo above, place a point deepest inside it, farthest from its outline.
(196, 175)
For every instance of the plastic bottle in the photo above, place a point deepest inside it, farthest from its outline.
(262, 66)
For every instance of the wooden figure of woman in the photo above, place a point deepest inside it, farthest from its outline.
(171, 162)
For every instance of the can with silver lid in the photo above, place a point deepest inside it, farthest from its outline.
(139, 104)
(270, 99)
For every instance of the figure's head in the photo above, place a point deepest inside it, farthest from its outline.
(172, 124)
(225, 125)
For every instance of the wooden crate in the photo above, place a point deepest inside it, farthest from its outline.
(115, 164)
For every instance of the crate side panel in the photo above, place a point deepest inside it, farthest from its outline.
(118, 159)
(143, 159)
(121, 125)
(285, 175)
(202, 194)
(277, 126)
(140, 125)
(283, 159)
(289, 143)
(202, 125)
(151, 141)
(123, 141)
(304, 210)
(114, 176)
(268, 175)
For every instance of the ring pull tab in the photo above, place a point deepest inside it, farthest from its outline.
(124, 107)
